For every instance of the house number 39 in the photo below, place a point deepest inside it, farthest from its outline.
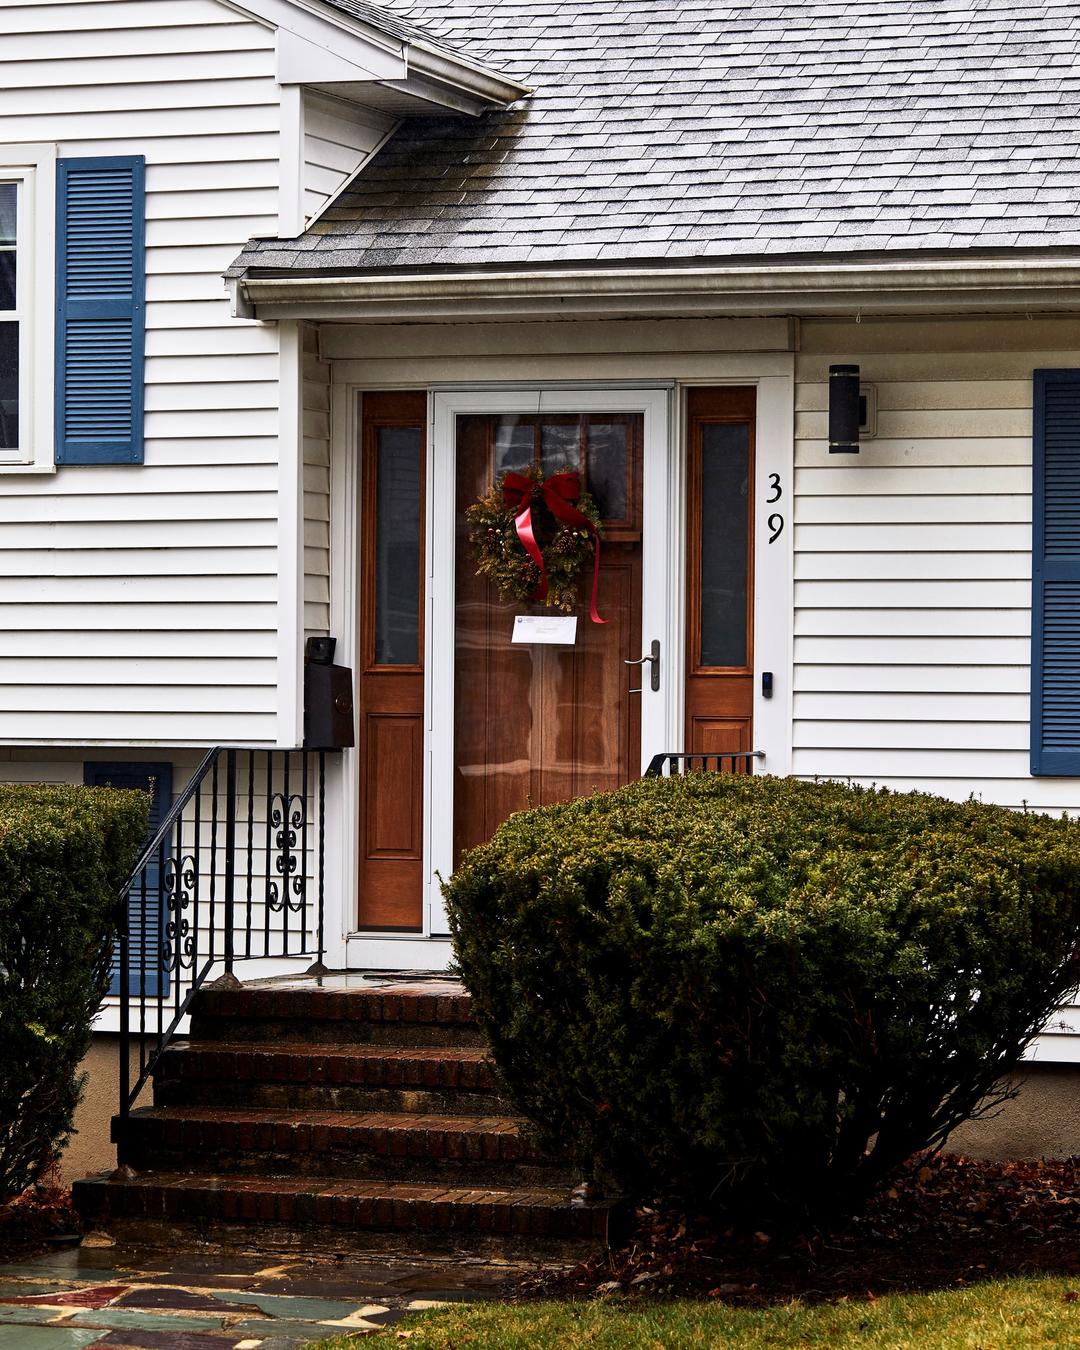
(776, 520)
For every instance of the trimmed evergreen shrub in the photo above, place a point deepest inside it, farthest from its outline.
(64, 854)
(761, 994)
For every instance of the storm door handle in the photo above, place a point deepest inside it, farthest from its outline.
(653, 658)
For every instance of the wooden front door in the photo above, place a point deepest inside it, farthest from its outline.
(720, 579)
(536, 724)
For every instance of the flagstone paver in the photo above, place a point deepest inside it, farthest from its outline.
(127, 1299)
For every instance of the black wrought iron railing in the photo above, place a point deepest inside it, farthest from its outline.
(671, 763)
(234, 872)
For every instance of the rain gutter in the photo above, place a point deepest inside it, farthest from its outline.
(882, 286)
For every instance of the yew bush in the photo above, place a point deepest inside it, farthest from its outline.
(757, 993)
(64, 854)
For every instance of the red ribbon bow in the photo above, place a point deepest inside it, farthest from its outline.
(559, 492)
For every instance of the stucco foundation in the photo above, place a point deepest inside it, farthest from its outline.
(1042, 1121)
(90, 1149)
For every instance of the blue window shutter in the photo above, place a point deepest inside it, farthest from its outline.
(1055, 575)
(146, 935)
(100, 309)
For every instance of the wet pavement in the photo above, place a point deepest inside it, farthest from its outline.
(127, 1299)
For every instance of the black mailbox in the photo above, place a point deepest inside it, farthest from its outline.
(328, 698)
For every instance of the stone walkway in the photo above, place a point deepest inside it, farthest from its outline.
(125, 1299)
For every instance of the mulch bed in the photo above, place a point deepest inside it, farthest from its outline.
(953, 1222)
(39, 1220)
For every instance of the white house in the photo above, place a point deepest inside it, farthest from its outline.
(627, 237)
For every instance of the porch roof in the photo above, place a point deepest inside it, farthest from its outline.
(676, 130)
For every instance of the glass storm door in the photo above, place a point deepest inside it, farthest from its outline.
(532, 723)
(536, 723)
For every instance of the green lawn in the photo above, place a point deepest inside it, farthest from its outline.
(1021, 1312)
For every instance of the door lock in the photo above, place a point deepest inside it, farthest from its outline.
(653, 658)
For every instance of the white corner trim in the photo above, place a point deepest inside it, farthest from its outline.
(290, 559)
(290, 173)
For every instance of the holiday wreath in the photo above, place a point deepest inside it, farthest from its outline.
(503, 537)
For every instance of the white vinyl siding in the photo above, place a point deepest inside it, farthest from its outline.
(338, 139)
(913, 568)
(913, 559)
(138, 604)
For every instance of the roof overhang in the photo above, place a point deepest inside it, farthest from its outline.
(883, 285)
(321, 48)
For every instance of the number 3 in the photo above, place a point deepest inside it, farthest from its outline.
(775, 488)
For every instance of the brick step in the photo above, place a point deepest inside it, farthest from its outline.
(404, 1014)
(455, 1080)
(156, 1207)
(353, 1031)
(464, 1150)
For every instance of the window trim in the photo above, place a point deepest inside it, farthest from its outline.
(33, 167)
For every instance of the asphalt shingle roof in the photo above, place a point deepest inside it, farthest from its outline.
(393, 24)
(677, 129)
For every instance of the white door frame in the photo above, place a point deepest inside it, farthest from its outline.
(661, 711)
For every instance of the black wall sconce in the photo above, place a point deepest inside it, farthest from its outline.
(845, 410)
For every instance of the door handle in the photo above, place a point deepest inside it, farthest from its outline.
(653, 658)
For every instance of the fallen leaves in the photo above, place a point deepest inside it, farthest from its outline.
(945, 1223)
(38, 1218)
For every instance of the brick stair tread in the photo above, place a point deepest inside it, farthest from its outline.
(492, 1138)
(466, 1054)
(444, 1003)
(465, 1069)
(345, 1203)
(352, 1120)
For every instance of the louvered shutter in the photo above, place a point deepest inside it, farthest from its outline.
(100, 310)
(145, 922)
(1055, 619)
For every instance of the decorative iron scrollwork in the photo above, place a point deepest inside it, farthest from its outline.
(181, 881)
(288, 816)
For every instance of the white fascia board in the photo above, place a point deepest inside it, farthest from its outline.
(884, 286)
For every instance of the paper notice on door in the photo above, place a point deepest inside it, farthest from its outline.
(554, 630)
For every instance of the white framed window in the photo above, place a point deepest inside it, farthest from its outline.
(27, 288)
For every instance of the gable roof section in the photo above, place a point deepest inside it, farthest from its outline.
(677, 130)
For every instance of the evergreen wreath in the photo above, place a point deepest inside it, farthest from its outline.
(500, 555)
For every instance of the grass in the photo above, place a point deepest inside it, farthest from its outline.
(994, 1316)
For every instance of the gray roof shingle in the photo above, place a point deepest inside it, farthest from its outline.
(678, 129)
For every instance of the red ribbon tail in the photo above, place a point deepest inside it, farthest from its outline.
(523, 524)
(593, 612)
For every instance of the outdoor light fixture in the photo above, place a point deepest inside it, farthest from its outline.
(845, 412)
